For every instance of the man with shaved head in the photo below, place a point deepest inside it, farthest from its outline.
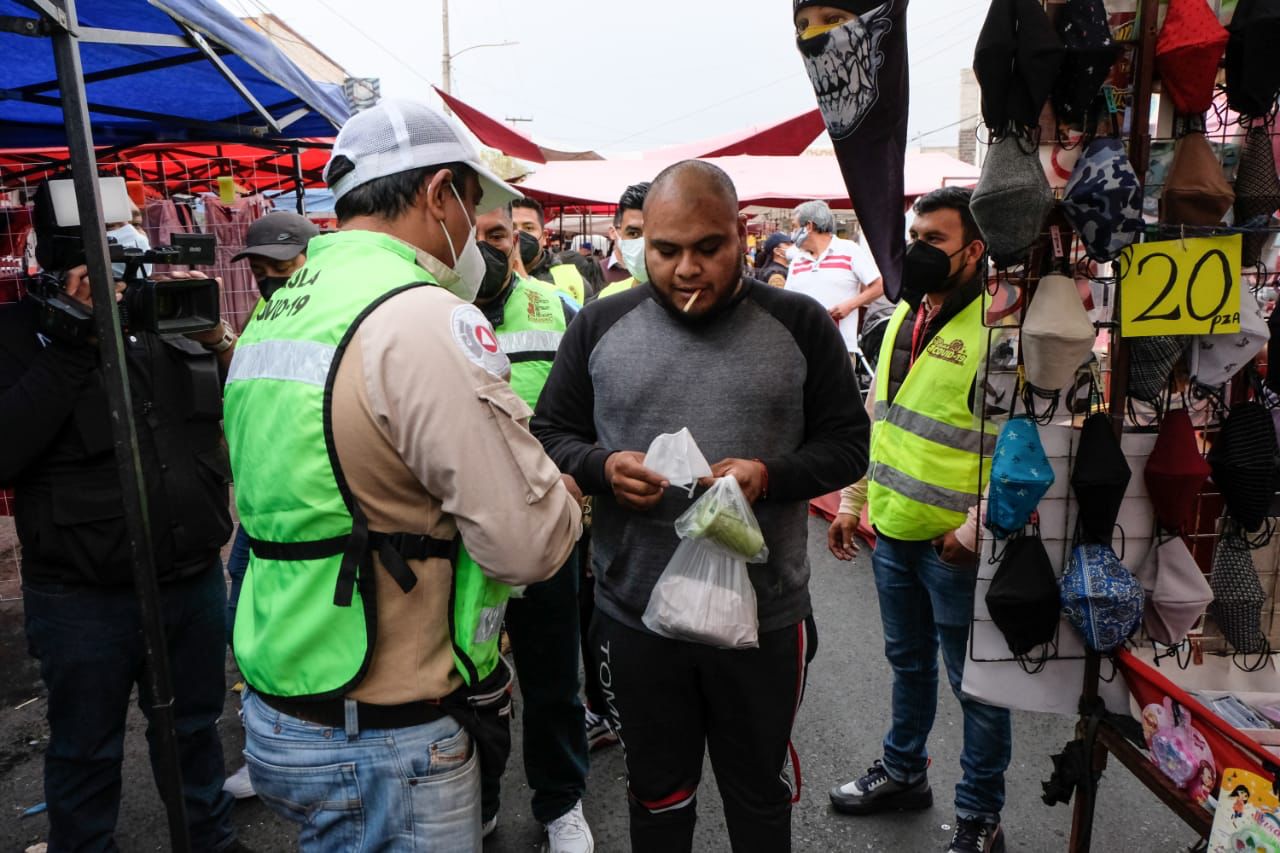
(761, 378)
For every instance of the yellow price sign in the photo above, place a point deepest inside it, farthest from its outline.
(1180, 287)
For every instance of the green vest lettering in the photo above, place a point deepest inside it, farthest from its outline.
(533, 323)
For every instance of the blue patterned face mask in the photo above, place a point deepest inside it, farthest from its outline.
(1100, 597)
(1020, 476)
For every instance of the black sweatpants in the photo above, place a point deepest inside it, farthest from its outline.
(669, 700)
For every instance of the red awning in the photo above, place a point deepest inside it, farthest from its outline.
(511, 142)
(782, 139)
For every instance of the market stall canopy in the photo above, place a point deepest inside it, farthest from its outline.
(511, 142)
(161, 70)
(781, 139)
(765, 181)
(181, 168)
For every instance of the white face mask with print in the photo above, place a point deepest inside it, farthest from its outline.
(633, 258)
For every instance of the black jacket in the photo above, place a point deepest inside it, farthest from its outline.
(58, 456)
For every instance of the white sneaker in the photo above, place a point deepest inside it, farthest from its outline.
(569, 833)
(487, 828)
(238, 784)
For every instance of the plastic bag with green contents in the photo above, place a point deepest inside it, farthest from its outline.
(723, 516)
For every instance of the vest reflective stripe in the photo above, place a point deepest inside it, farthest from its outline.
(928, 449)
(515, 343)
(926, 427)
(291, 361)
(919, 491)
(568, 279)
(490, 623)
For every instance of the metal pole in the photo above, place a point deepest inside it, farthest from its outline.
(133, 495)
(446, 61)
(298, 181)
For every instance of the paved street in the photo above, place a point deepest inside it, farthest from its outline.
(837, 735)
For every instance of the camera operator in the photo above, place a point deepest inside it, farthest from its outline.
(81, 608)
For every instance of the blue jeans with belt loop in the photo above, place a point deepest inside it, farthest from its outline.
(408, 789)
(925, 604)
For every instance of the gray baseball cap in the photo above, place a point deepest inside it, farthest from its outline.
(280, 236)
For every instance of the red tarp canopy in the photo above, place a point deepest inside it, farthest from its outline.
(511, 142)
(781, 139)
(765, 181)
(177, 167)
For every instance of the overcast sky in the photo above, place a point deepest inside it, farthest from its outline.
(621, 76)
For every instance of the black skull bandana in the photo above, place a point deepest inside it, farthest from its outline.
(859, 74)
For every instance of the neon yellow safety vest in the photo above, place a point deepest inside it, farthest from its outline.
(618, 287)
(568, 279)
(925, 445)
(533, 324)
(306, 621)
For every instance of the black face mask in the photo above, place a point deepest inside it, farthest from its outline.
(530, 250)
(270, 284)
(497, 272)
(927, 269)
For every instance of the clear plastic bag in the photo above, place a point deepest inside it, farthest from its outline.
(705, 593)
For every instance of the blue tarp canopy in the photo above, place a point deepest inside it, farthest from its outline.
(162, 70)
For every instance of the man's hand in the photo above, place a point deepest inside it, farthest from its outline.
(634, 486)
(78, 288)
(843, 309)
(750, 474)
(953, 552)
(842, 537)
(572, 485)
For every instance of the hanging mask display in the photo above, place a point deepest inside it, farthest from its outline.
(1151, 363)
(1178, 592)
(1242, 460)
(1195, 191)
(1012, 200)
(1188, 51)
(1090, 53)
(1016, 61)
(1023, 598)
(1020, 476)
(1253, 75)
(1217, 358)
(1257, 192)
(1098, 479)
(1237, 595)
(1100, 597)
(1057, 335)
(1175, 471)
(1103, 199)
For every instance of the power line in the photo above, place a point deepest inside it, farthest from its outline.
(944, 127)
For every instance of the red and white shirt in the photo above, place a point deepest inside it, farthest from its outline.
(839, 273)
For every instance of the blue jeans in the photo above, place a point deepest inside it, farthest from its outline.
(543, 625)
(926, 603)
(409, 789)
(237, 565)
(89, 643)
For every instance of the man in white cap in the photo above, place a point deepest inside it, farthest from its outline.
(399, 493)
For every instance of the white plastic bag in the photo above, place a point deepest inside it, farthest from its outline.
(675, 455)
(705, 593)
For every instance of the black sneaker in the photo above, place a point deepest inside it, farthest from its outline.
(876, 791)
(975, 835)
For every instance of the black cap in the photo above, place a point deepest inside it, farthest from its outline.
(776, 239)
(280, 236)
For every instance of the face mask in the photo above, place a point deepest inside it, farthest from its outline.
(270, 284)
(792, 252)
(633, 258)
(800, 235)
(927, 269)
(531, 253)
(129, 237)
(462, 277)
(497, 272)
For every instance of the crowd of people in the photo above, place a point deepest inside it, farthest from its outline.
(436, 426)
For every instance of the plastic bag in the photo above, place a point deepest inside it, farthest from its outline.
(675, 455)
(705, 593)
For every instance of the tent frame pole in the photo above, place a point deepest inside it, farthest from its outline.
(299, 180)
(157, 684)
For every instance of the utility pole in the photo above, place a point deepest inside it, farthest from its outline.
(446, 61)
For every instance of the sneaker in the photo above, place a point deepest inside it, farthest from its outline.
(487, 828)
(975, 835)
(239, 785)
(569, 833)
(599, 732)
(876, 791)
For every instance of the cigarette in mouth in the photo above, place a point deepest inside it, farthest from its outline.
(692, 299)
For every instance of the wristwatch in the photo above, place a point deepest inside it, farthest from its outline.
(226, 342)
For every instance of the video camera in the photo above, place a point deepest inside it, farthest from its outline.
(163, 307)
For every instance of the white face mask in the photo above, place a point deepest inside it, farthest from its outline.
(463, 276)
(792, 252)
(131, 238)
(633, 258)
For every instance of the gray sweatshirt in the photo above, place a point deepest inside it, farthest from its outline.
(767, 378)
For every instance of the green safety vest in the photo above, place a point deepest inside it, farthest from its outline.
(928, 448)
(533, 325)
(618, 287)
(306, 620)
(568, 279)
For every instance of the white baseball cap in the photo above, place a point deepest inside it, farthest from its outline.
(396, 136)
